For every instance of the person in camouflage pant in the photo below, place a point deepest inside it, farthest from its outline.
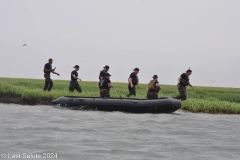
(183, 82)
(104, 93)
(102, 73)
(182, 92)
(105, 86)
(153, 88)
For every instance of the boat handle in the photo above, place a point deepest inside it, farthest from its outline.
(80, 100)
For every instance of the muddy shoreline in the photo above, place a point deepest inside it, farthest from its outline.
(18, 99)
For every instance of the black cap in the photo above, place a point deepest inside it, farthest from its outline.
(76, 66)
(107, 74)
(155, 76)
(106, 67)
(189, 70)
(136, 69)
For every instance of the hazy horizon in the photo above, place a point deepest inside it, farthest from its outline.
(159, 37)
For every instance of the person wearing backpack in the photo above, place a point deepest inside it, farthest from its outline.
(153, 88)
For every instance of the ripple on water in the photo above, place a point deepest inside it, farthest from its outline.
(116, 135)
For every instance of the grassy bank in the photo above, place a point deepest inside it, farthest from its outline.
(203, 99)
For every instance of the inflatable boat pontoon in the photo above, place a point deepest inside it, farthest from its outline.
(161, 105)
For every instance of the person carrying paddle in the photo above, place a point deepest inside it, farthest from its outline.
(47, 71)
(183, 82)
(133, 81)
(153, 88)
(74, 83)
(105, 86)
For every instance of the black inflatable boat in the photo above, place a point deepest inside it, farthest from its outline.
(161, 105)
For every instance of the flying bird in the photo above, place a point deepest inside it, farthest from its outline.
(24, 44)
(212, 81)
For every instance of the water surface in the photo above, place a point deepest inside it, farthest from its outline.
(96, 135)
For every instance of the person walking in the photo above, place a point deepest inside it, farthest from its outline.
(74, 80)
(153, 88)
(183, 82)
(105, 86)
(133, 81)
(47, 71)
(102, 73)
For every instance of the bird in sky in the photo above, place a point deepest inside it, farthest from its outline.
(24, 44)
(212, 81)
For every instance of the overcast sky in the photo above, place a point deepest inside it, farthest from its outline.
(162, 37)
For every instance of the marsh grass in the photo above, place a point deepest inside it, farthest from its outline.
(202, 99)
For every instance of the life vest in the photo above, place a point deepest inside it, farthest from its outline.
(100, 80)
(152, 86)
(135, 80)
(100, 73)
(104, 84)
(184, 82)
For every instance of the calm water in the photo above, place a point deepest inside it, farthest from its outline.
(28, 131)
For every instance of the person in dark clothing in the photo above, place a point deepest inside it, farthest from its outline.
(133, 81)
(105, 86)
(74, 83)
(102, 73)
(183, 81)
(153, 88)
(47, 71)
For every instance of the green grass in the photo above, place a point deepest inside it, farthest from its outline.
(202, 99)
